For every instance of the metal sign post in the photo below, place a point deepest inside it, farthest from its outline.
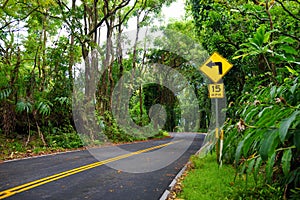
(217, 130)
(215, 68)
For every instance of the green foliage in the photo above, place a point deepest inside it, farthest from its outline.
(15, 146)
(44, 107)
(5, 93)
(260, 45)
(113, 132)
(64, 139)
(238, 28)
(255, 44)
(24, 106)
(263, 87)
(135, 108)
(63, 100)
(9, 147)
(295, 194)
(268, 140)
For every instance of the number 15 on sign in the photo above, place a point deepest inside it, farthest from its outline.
(216, 90)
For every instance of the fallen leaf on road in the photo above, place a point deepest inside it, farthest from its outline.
(169, 174)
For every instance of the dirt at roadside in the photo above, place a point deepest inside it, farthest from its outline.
(29, 153)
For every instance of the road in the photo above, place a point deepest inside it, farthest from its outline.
(141, 170)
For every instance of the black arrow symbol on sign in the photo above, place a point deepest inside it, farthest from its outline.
(219, 64)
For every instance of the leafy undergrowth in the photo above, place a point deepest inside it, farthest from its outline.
(205, 180)
(16, 148)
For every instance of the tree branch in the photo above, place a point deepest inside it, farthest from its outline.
(61, 4)
(257, 17)
(126, 15)
(250, 13)
(285, 9)
(121, 5)
(19, 19)
(4, 4)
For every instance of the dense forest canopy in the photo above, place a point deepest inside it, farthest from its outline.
(45, 46)
(40, 44)
(262, 40)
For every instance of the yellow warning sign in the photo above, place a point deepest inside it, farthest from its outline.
(216, 67)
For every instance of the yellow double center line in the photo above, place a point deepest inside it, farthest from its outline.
(42, 181)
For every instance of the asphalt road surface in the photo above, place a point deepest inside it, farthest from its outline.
(141, 170)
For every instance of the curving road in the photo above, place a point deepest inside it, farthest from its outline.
(141, 170)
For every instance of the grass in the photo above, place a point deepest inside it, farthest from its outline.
(206, 181)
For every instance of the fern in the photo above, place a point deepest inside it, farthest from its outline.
(63, 100)
(24, 106)
(5, 93)
(44, 107)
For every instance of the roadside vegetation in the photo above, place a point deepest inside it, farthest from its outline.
(261, 39)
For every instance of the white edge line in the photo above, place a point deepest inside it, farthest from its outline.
(165, 195)
(172, 184)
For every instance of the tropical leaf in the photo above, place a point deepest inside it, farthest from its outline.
(286, 161)
(239, 149)
(254, 135)
(293, 88)
(24, 106)
(297, 139)
(247, 110)
(268, 144)
(261, 113)
(44, 107)
(239, 56)
(285, 125)
(266, 120)
(62, 100)
(259, 36)
(269, 167)
(256, 168)
(273, 92)
(285, 39)
(288, 49)
(281, 89)
(5, 93)
(267, 37)
(250, 166)
(251, 114)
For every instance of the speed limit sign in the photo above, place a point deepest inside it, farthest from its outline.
(216, 90)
